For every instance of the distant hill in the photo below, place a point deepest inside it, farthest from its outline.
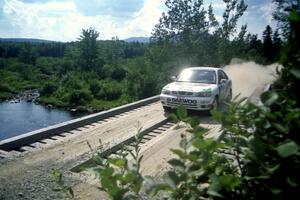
(30, 40)
(33, 40)
(137, 39)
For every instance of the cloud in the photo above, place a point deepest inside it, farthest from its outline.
(258, 16)
(43, 20)
(267, 12)
(145, 19)
(63, 20)
(115, 8)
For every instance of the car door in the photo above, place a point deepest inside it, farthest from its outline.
(221, 85)
(227, 84)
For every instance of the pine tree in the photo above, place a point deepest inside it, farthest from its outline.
(276, 44)
(88, 48)
(268, 43)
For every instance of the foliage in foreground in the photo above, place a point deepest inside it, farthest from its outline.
(256, 156)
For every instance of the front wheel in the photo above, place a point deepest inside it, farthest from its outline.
(215, 104)
(230, 95)
(167, 109)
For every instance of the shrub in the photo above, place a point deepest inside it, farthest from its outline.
(48, 89)
(95, 87)
(110, 91)
(6, 88)
(72, 81)
(79, 97)
(118, 73)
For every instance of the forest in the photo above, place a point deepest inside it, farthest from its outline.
(94, 74)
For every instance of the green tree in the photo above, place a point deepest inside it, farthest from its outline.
(213, 23)
(276, 44)
(88, 48)
(183, 20)
(28, 54)
(79, 97)
(268, 43)
(282, 13)
(234, 10)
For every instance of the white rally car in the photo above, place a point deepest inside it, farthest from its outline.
(197, 88)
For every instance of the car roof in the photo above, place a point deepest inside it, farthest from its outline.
(205, 68)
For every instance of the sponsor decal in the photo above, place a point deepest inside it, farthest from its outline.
(183, 101)
(206, 90)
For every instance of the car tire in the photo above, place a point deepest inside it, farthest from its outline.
(167, 109)
(215, 104)
(230, 95)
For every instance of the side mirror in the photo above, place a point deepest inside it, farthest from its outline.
(173, 78)
(223, 81)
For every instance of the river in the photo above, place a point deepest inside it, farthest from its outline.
(23, 117)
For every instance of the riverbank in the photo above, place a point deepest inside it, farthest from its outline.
(34, 96)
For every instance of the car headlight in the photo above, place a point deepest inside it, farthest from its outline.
(204, 94)
(164, 91)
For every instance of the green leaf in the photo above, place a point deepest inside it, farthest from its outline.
(173, 118)
(179, 153)
(276, 191)
(172, 178)
(280, 127)
(107, 171)
(288, 149)
(204, 144)
(296, 73)
(273, 169)
(229, 182)
(294, 115)
(117, 162)
(193, 121)
(268, 98)
(214, 193)
(176, 163)
(294, 16)
(129, 177)
(183, 155)
(182, 112)
(291, 182)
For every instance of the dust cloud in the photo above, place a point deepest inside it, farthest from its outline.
(248, 76)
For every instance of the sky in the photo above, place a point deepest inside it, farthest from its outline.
(63, 20)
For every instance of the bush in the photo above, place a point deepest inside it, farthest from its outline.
(79, 97)
(72, 81)
(6, 88)
(95, 87)
(114, 72)
(110, 91)
(118, 73)
(48, 89)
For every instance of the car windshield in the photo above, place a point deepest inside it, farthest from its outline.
(197, 76)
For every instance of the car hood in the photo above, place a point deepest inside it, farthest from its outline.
(188, 87)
